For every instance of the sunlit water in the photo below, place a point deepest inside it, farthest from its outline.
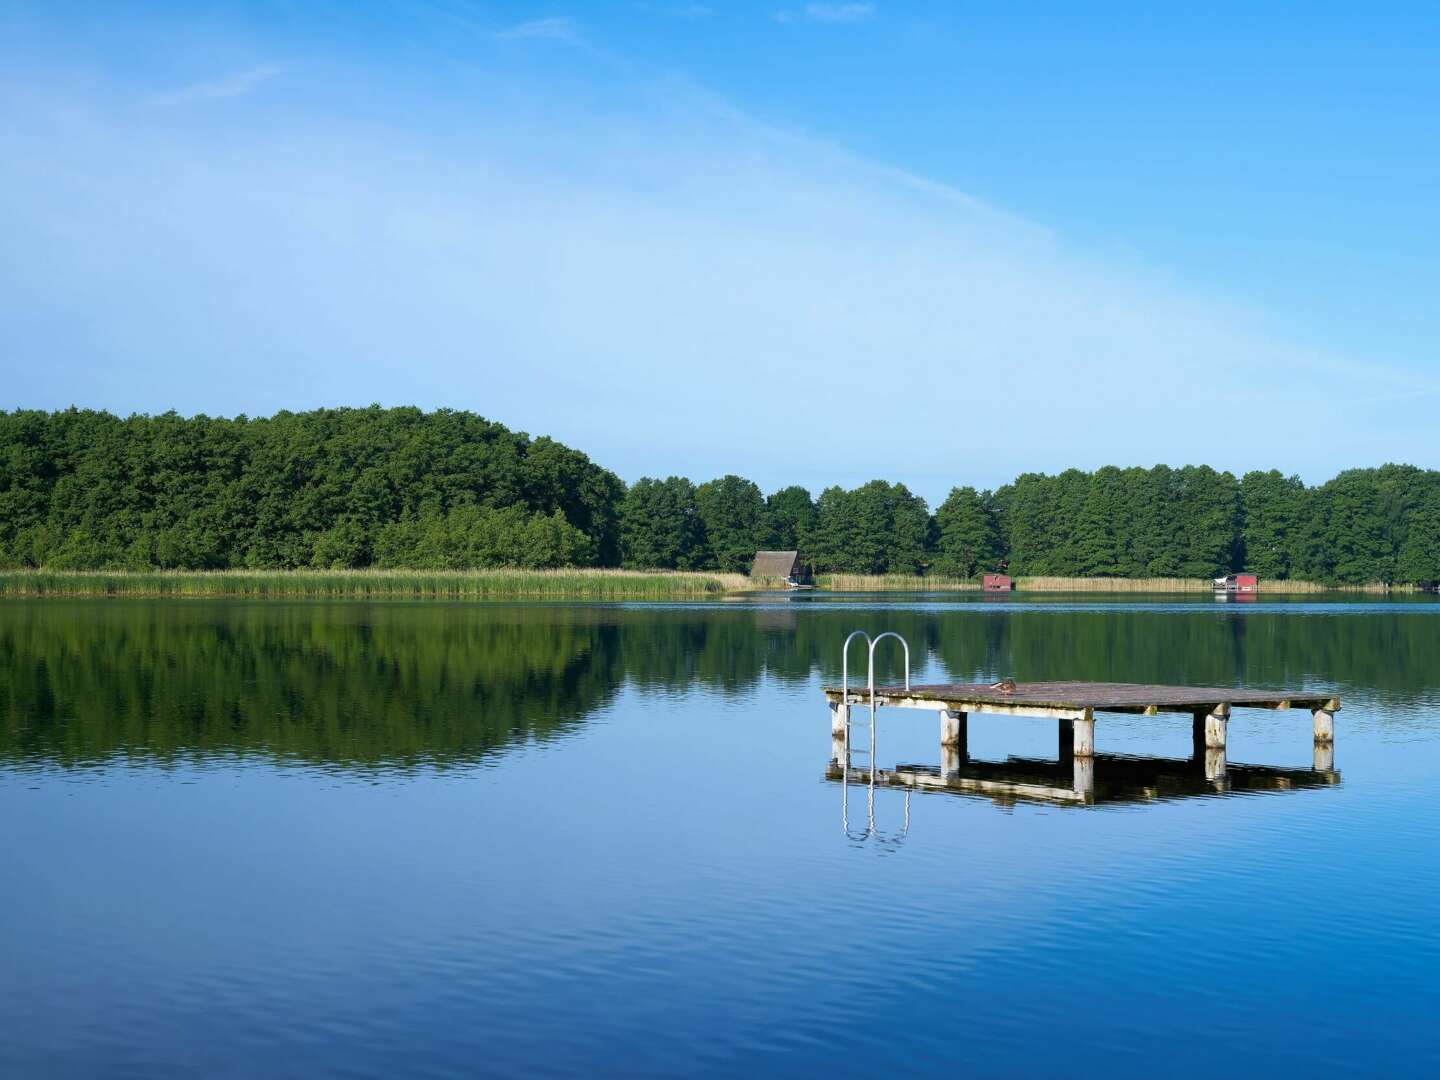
(372, 839)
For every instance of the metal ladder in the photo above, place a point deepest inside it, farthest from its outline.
(849, 740)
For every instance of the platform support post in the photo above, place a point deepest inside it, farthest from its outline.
(1324, 726)
(954, 729)
(1324, 760)
(1215, 721)
(839, 719)
(1083, 733)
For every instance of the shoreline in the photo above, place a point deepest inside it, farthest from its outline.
(575, 584)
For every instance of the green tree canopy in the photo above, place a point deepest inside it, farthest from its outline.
(967, 534)
(732, 515)
(660, 526)
(877, 528)
(790, 519)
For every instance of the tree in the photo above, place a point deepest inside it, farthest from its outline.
(1102, 526)
(877, 528)
(1353, 531)
(968, 535)
(790, 519)
(1210, 517)
(732, 515)
(1026, 511)
(660, 526)
(1419, 556)
(1274, 511)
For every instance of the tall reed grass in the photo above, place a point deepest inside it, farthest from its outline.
(915, 583)
(1110, 584)
(894, 583)
(1187, 585)
(578, 584)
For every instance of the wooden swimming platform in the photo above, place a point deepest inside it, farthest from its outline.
(1076, 704)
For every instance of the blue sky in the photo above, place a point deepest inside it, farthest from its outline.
(807, 242)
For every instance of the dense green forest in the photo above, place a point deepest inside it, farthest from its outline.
(81, 489)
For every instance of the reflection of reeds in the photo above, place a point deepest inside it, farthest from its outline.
(580, 584)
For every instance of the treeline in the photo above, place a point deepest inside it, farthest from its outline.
(332, 487)
(449, 490)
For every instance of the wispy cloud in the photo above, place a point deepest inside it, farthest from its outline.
(229, 86)
(553, 28)
(599, 244)
(827, 13)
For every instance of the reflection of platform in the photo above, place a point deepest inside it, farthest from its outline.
(1103, 778)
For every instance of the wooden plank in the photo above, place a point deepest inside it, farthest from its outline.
(1069, 699)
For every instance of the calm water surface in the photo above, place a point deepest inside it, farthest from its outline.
(370, 839)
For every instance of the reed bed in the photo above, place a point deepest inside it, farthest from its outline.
(1111, 584)
(576, 584)
(917, 583)
(894, 583)
(1188, 585)
(573, 584)
(1321, 587)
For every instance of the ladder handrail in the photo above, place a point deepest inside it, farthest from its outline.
(870, 684)
(880, 638)
(845, 663)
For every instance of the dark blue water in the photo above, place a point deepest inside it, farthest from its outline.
(367, 839)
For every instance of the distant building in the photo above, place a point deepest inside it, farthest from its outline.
(998, 583)
(784, 565)
(1237, 583)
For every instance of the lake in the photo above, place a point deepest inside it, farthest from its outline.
(262, 838)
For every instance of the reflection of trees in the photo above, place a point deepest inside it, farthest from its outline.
(349, 684)
(380, 683)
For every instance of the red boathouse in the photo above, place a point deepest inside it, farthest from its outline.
(1237, 583)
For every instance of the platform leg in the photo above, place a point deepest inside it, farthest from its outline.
(1324, 760)
(1216, 722)
(954, 729)
(1084, 737)
(1324, 726)
(839, 719)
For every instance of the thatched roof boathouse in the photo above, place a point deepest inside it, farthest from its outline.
(784, 565)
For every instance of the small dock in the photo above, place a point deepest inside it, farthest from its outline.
(1076, 706)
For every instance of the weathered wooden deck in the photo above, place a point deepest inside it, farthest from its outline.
(1072, 700)
(1075, 705)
